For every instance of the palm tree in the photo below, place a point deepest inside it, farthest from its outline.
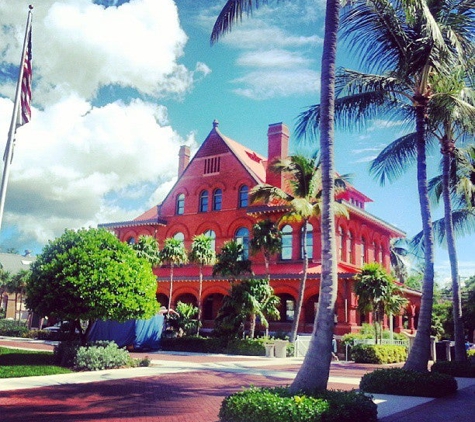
(315, 370)
(377, 294)
(230, 261)
(408, 42)
(266, 238)
(251, 298)
(201, 253)
(304, 202)
(17, 284)
(173, 253)
(147, 247)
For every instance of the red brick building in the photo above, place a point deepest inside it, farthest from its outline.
(211, 196)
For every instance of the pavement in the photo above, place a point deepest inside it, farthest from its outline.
(189, 387)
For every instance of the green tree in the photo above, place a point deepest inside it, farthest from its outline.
(250, 298)
(266, 238)
(173, 253)
(468, 306)
(407, 43)
(230, 261)
(201, 253)
(87, 275)
(147, 247)
(303, 202)
(377, 293)
(16, 284)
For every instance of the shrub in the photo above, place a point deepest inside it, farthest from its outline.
(11, 328)
(456, 369)
(278, 405)
(247, 347)
(405, 382)
(378, 353)
(65, 353)
(101, 355)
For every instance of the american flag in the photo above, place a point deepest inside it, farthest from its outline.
(24, 114)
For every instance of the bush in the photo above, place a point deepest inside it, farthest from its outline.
(247, 347)
(65, 353)
(278, 405)
(101, 355)
(405, 382)
(378, 353)
(456, 369)
(11, 328)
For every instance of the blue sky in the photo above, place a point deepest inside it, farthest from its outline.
(120, 85)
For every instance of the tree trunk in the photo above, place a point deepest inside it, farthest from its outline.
(460, 353)
(419, 355)
(315, 369)
(303, 281)
(171, 291)
(199, 301)
(252, 328)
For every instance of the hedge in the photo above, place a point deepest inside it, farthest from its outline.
(378, 353)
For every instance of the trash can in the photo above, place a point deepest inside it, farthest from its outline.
(270, 347)
(281, 348)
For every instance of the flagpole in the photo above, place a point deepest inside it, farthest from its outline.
(7, 158)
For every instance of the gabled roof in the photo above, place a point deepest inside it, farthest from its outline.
(13, 263)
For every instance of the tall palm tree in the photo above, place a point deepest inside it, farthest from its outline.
(147, 247)
(407, 42)
(315, 370)
(173, 253)
(377, 293)
(266, 238)
(304, 202)
(201, 253)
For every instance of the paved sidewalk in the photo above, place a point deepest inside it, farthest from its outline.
(182, 387)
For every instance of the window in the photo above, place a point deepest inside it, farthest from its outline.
(179, 236)
(204, 201)
(212, 235)
(376, 252)
(342, 245)
(286, 253)
(286, 307)
(243, 196)
(180, 204)
(308, 242)
(242, 238)
(363, 251)
(217, 199)
(131, 240)
(212, 165)
(351, 247)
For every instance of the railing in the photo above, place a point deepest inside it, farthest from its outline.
(301, 345)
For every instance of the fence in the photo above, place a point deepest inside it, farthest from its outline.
(393, 342)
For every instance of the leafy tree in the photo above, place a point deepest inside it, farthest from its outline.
(184, 321)
(173, 253)
(266, 238)
(147, 247)
(377, 293)
(303, 202)
(230, 262)
(408, 43)
(87, 275)
(468, 306)
(250, 298)
(201, 253)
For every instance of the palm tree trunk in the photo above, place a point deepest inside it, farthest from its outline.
(200, 292)
(460, 354)
(315, 369)
(252, 328)
(171, 290)
(303, 281)
(419, 355)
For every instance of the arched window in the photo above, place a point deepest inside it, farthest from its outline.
(242, 238)
(179, 236)
(212, 235)
(243, 196)
(286, 253)
(363, 251)
(180, 204)
(308, 242)
(286, 307)
(217, 199)
(204, 201)
(342, 245)
(351, 247)
(131, 240)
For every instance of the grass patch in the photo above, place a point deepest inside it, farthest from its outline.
(27, 363)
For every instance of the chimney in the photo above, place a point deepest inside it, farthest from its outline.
(278, 148)
(184, 159)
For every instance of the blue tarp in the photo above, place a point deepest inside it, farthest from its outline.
(136, 333)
